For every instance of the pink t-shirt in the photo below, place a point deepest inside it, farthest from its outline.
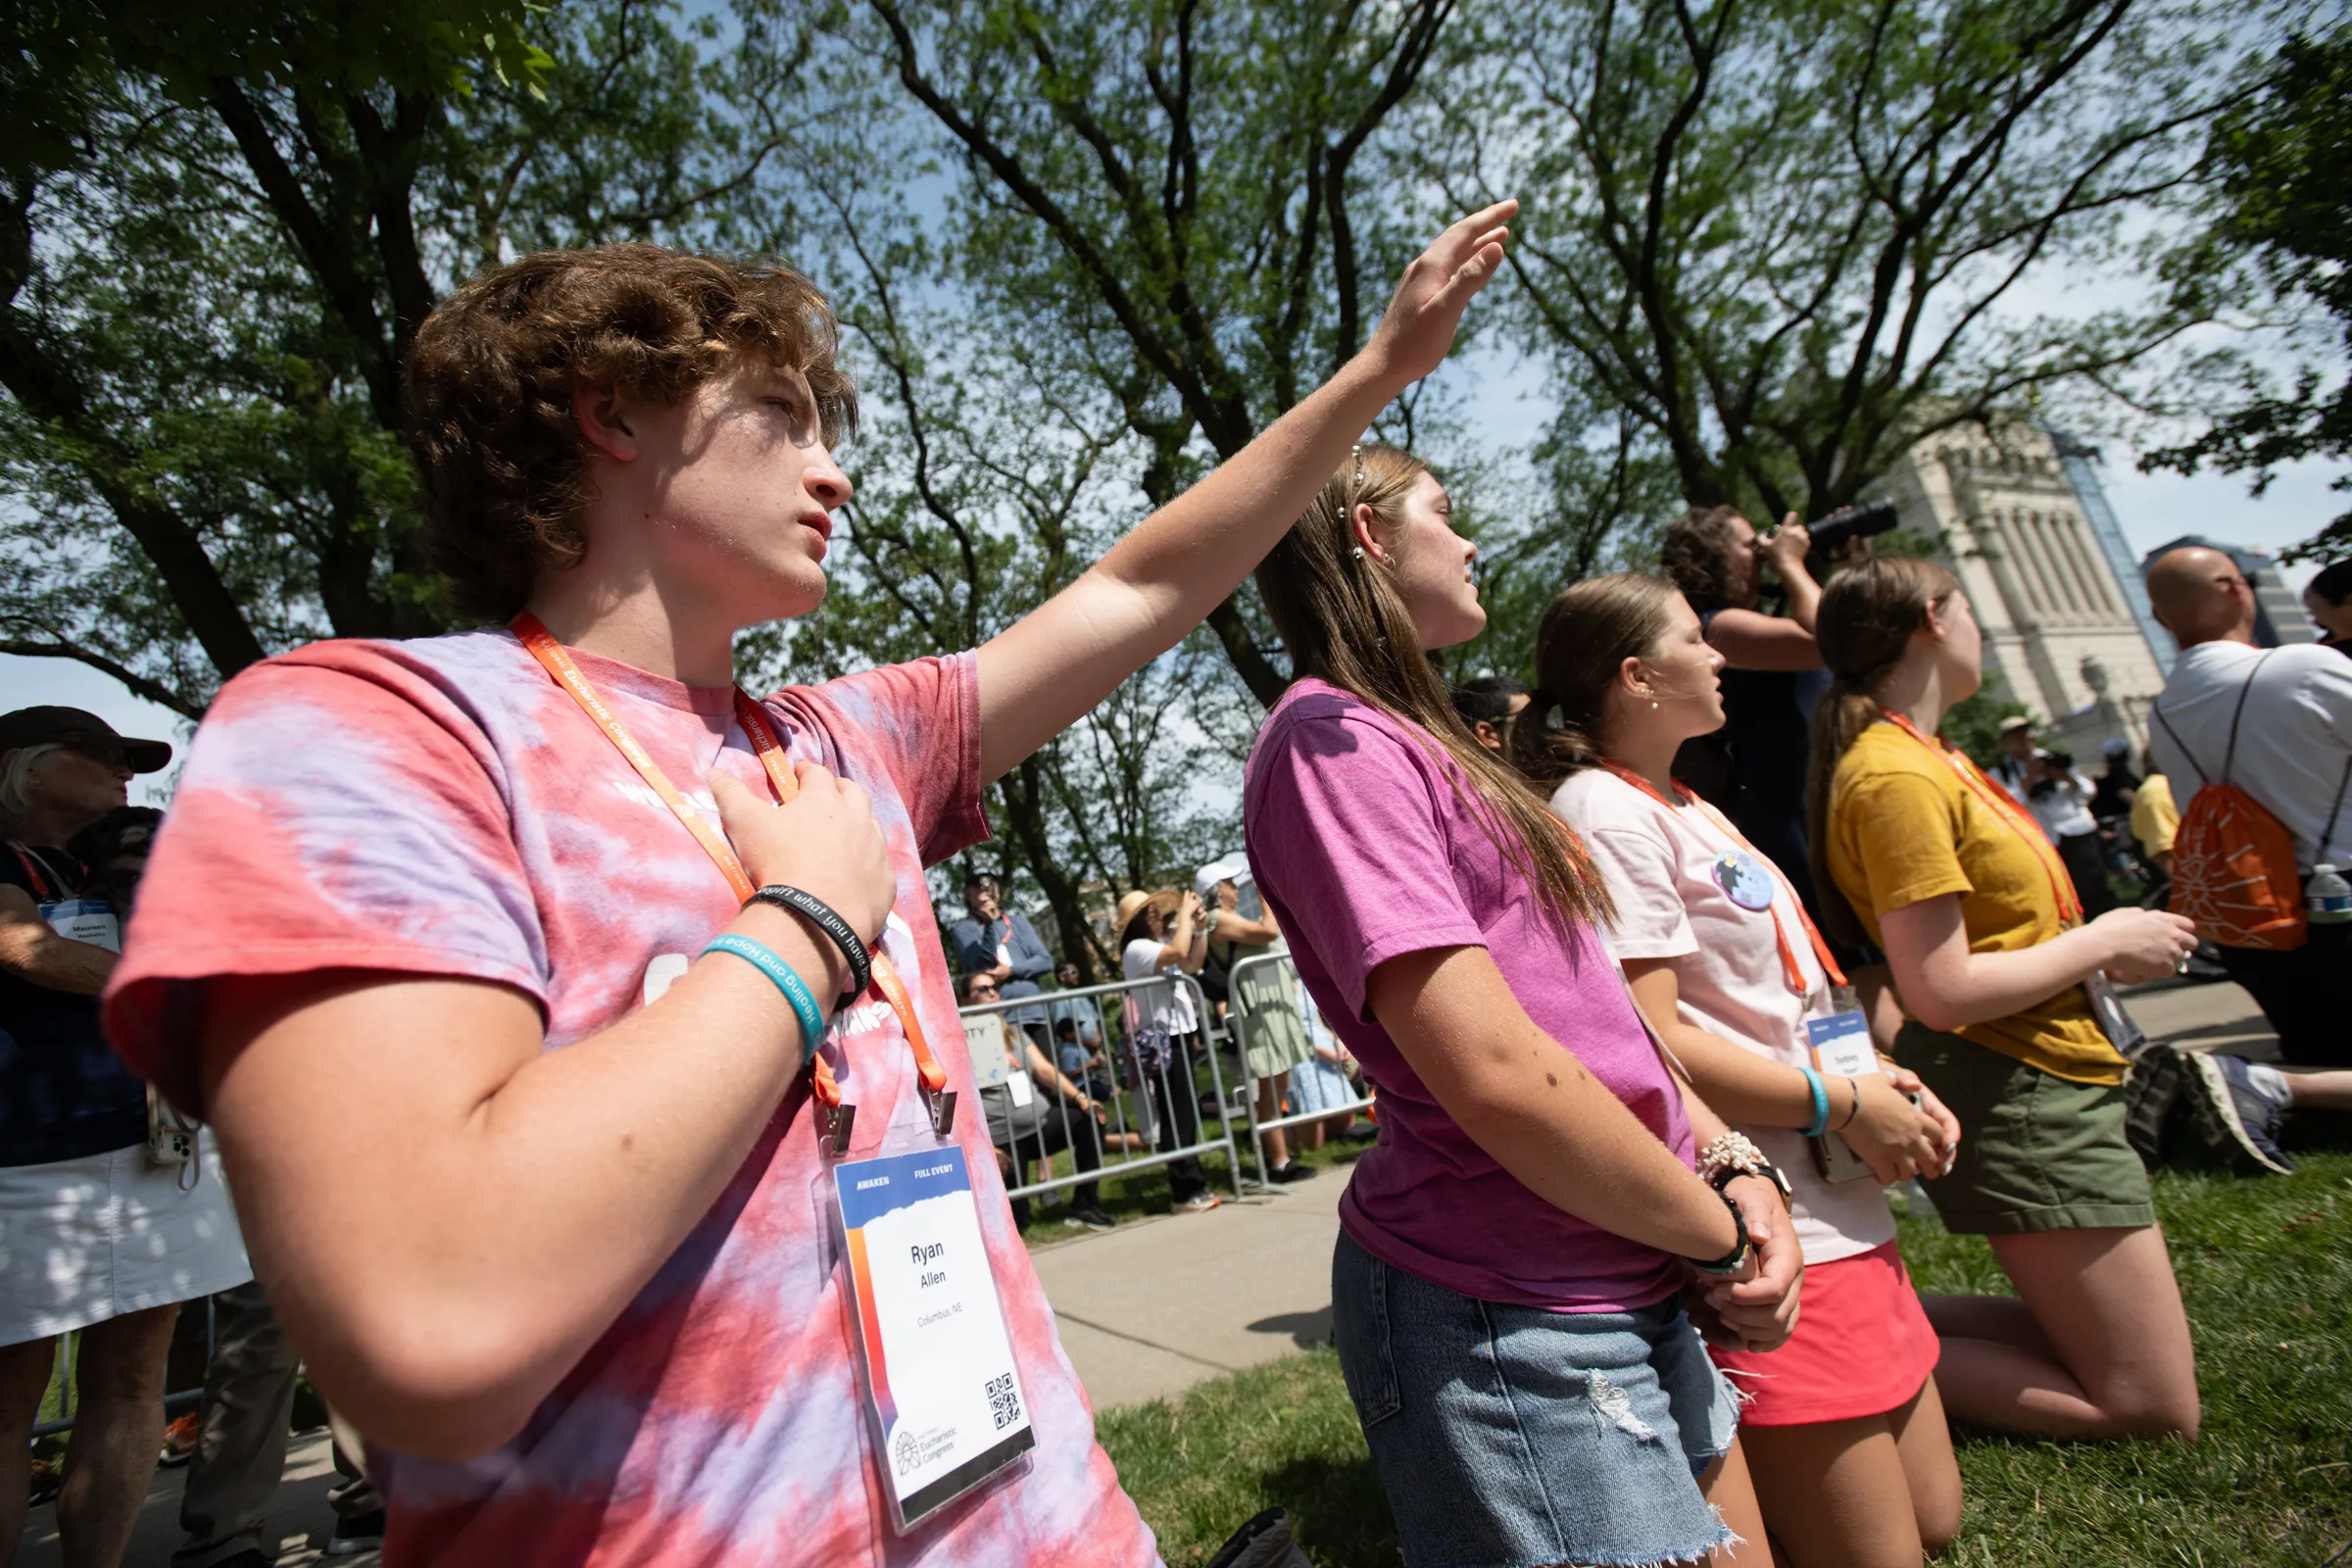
(1662, 866)
(443, 807)
(1364, 851)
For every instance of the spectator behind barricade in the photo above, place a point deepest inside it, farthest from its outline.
(1330, 1083)
(2277, 723)
(1076, 1024)
(1273, 1036)
(2000, 980)
(1022, 1119)
(2116, 784)
(1000, 942)
(1491, 705)
(2046, 785)
(1161, 932)
(1726, 964)
(107, 1228)
(2328, 598)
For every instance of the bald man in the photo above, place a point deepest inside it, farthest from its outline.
(2293, 755)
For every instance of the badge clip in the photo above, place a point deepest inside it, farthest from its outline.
(941, 1103)
(838, 1120)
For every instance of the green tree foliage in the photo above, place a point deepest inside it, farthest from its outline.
(206, 297)
(1781, 234)
(2279, 164)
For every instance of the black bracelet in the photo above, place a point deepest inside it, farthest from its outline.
(1728, 1262)
(817, 913)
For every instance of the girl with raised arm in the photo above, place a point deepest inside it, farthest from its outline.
(1506, 1288)
(1916, 850)
(1842, 1428)
(521, 1069)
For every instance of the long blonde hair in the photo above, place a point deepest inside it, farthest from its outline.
(1863, 629)
(1588, 631)
(1343, 621)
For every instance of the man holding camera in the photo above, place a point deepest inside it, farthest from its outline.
(2046, 784)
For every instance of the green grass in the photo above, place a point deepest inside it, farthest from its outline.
(2266, 1268)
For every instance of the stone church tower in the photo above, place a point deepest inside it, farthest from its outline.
(2065, 620)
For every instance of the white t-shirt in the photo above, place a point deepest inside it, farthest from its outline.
(1659, 863)
(1166, 1007)
(2291, 744)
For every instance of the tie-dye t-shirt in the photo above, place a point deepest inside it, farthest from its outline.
(443, 807)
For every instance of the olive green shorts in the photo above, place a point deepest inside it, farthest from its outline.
(2036, 1152)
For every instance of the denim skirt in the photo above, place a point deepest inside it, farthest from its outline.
(1508, 1436)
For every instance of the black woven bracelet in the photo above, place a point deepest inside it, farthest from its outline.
(1728, 1262)
(817, 913)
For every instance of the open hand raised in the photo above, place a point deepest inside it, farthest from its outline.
(1417, 329)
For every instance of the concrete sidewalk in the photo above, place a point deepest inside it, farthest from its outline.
(1145, 1310)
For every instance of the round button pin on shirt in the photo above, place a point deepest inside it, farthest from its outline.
(1743, 880)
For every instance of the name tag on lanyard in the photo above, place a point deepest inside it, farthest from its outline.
(1841, 1045)
(90, 920)
(943, 1397)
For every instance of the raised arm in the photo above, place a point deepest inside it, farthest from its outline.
(1040, 674)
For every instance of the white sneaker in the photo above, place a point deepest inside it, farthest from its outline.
(1197, 1203)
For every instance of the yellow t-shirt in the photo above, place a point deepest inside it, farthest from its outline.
(2155, 820)
(1903, 827)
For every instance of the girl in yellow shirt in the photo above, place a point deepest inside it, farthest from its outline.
(1916, 851)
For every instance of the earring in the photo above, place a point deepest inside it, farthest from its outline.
(1359, 551)
(1653, 706)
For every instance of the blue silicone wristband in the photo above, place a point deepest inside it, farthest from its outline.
(1821, 1103)
(762, 958)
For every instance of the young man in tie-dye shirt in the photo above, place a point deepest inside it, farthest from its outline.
(535, 1185)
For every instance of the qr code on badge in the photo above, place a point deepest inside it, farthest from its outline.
(1004, 1400)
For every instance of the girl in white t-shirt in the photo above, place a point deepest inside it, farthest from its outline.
(1845, 1435)
(1162, 932)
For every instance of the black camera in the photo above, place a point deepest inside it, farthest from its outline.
(1863, 522)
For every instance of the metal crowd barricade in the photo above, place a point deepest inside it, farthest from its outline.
(1177, 1081)
(1234, 1016)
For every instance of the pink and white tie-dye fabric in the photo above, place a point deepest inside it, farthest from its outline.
(443, 807)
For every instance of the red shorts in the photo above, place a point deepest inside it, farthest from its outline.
(1862, 1347)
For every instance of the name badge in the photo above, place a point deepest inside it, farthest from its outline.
(1022, 1091)
(90, 920)
(1743, 880)
(984, 1037)
(943, 1398)
(1841, 1045)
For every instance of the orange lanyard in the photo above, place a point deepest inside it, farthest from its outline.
(2003, 805)
(559, 663)
(1790, 970)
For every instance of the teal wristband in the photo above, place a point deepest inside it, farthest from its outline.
(804, 1004)
(1821, 1103)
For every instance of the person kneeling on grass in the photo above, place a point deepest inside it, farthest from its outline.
(1843, 1429)
(554, 1246)
(1999, 978)
(1507, 1286)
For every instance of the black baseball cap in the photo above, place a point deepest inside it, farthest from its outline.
(71, 726)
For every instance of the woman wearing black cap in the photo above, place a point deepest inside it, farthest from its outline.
(99, 1234)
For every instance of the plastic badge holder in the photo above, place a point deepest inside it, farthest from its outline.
(945, 1410)
(1841, 1048)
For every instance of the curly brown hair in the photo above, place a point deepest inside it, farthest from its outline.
(490, 381)
(1696, 554)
